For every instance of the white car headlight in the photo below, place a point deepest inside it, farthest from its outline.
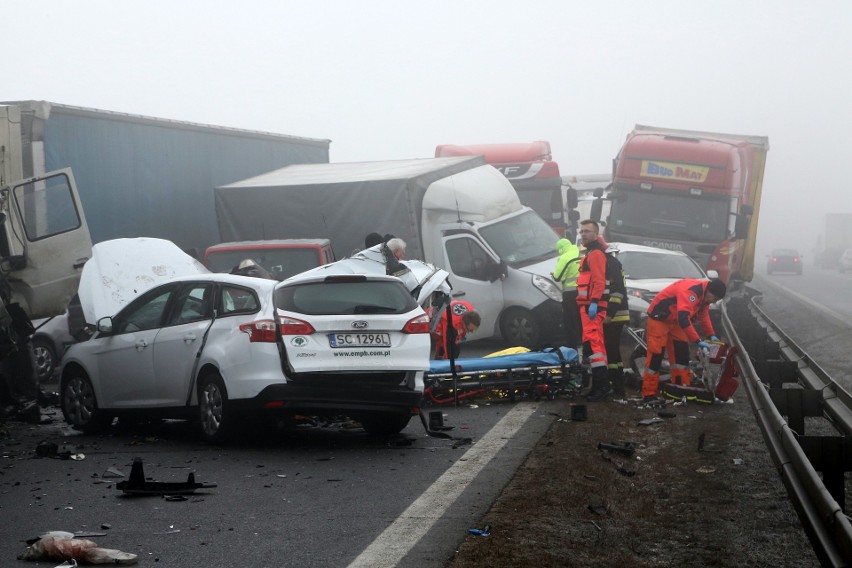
(547, 287)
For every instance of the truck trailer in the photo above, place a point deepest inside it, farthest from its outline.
(458, 214)
(697, 192)
(531, 170)
(140, 176)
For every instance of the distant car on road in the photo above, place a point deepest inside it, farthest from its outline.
(844, 263)
(784, 260)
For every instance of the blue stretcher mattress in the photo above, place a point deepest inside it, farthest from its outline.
(547, 357)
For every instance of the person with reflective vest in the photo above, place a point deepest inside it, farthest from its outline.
(617, 316)
(566, 271)
(465, 320)
(592, 293)
(670, 327)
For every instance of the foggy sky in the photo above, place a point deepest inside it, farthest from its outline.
(393, 79)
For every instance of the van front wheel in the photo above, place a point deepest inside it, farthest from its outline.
(520, 328)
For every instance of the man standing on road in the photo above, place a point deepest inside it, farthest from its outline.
(670, 327)
(617, 316)
(566, 271)
(591, 298)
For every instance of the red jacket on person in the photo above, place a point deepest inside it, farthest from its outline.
(591, 283)
(458, 307)
(683, 302)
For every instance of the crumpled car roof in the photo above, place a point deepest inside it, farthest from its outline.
(421, 278)
(122, 269)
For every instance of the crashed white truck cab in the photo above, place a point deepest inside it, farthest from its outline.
(44, 238)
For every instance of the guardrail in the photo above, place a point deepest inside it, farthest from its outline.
(782, 380)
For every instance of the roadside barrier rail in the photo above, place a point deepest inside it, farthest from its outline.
(782, 380)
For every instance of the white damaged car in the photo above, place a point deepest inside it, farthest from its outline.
(345, 338)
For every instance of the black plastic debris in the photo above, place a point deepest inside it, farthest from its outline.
(597, 509)
(626, 449)
(138, 485)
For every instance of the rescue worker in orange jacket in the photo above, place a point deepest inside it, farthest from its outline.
(670, 327)
(592, 293)
(465, 320)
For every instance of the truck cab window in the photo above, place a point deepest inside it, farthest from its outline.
(47, 207)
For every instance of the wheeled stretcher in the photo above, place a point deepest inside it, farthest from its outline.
(534, 374)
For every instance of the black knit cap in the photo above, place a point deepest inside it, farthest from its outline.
(716, 287)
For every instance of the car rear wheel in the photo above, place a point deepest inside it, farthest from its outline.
(215, 419)
(520, 328)
(79, 404)
(384, 423)
(45, 359)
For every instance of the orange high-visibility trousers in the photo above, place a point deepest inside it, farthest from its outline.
(660, 335)
(593, 338)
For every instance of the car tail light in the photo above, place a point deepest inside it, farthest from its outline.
(261, 331)
(419, 324)
(293, 326)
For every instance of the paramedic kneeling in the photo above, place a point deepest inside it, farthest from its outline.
(465, 320)
(670, 318)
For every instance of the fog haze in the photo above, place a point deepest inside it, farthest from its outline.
(390, 79)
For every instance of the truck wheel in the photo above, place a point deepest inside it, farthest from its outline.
(45, 359)
(384, 424)
(79, 405)
(213, 414)
(520, 328)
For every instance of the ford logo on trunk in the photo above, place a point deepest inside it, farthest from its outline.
(360, 324)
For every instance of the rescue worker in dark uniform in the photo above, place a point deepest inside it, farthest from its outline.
(670, 327)
(566, 271)
(616, 317)
(591, 299)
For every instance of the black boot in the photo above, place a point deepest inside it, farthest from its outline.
(600, 385)
(616, 378)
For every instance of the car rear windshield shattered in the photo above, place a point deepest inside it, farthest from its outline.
(329, 298)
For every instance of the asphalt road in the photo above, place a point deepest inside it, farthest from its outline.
(313, 496)
(310, 496)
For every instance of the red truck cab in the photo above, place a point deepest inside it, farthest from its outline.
(694, 192)
(530, 169)
(282, 258)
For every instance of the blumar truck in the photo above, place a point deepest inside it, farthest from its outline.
(458, 214)
(696, 192)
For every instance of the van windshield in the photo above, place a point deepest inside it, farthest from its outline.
(521, 240)
(281, 263)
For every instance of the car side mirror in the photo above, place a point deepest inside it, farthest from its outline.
(105, 325)
(712, 274)
(496, 271)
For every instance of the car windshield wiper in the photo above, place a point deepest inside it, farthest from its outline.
(371, 309)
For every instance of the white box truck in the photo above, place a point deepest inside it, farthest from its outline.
(458, 213)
